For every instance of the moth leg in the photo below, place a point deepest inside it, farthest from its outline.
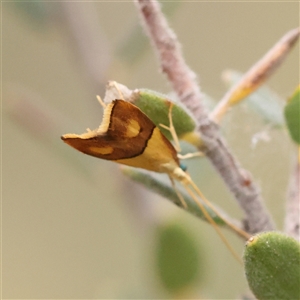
(171, 129)
(174, 135)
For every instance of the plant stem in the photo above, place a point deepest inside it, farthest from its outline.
(184, 83)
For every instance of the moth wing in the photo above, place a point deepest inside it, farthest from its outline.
(126, 135)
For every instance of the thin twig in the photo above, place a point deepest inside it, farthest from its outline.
(257, 74)
(184, 83)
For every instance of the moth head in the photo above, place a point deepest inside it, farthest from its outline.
(183, 167)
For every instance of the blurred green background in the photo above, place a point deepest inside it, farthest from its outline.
(74, 226)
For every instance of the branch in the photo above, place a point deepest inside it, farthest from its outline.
(164, 40)
(257, 74)
(184, 83)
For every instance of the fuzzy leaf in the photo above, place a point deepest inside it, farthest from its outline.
(272, 263)
(292, 115)
(164, 188)
(156, 107)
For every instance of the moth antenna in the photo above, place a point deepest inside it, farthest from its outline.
(101, 101)
(213, 223)
(178, 193)
(198, 191)
(117, 88)
(171, 129)
(188, 184)
(207, 202)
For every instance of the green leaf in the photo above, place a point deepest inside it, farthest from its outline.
(292, 115)
(155, 183)
(177, 258)
(156, 106)
(272, 264)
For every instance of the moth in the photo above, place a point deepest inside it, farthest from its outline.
(127, 136)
